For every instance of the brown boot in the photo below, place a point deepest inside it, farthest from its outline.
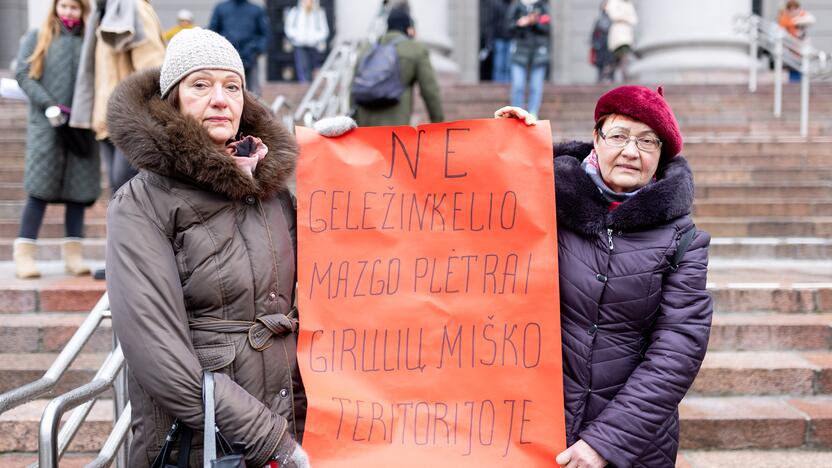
(73, 261)
(24, 258)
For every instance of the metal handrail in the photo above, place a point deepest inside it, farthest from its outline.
(329, 93)
(277, 107)
(114, 441)
(786, 50)
(21, 395)
(51, 444)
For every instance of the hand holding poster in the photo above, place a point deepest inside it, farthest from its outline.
(428, 293)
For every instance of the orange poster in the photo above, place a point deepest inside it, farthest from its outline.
(428, 296)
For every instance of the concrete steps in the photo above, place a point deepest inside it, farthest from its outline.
(714, 207)
(727, 373)
(55, 228)
(13, 209)
(754, 459)
(70, 460)
(50, 249)
(766, 191)
(766, 226)
(54, 292)
(48, 332)
(771, 331)
(19, 428)
(755, 422)
(709, 175)
(18, 369)
(799, 248)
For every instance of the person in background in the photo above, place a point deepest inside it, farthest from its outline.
(414, 68)
(621, 36)
(46, 67)
(498, 39)
(184, 20)
(600, 55)
(122, 37)
(635, 311)
(246, 26)
(390, 5)
(795, 20)
(530, 23)
(201, 256)
(307, 29)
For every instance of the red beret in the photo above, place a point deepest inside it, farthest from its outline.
(646, 106)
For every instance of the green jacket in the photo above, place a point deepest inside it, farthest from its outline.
(51, 172)
(415, 67)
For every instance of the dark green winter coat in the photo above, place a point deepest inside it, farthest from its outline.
(52, 173)
(414, 67)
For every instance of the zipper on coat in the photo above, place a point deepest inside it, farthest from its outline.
(609, 239)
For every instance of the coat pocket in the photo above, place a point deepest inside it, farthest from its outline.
(216, 356)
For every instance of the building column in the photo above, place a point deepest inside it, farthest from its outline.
(561, 42)
(465, 30)
(432, 19)
(13, 24)
(690, 41)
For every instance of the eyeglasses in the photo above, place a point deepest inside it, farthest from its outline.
(620, 139)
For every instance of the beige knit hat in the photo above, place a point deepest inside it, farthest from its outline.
(197, 49)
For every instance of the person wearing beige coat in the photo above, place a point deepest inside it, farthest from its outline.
(123, 37)
(621, 37)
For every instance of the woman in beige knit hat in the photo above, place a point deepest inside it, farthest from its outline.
(201, 257)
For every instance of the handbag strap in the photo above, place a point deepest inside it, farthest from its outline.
(185, 447)
(184, 434)
(209, 440)
(681, 248)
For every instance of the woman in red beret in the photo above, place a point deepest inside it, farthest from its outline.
(635, 314)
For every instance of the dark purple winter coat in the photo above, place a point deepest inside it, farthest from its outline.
(634, 332)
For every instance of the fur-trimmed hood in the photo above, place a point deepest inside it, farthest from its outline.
(156, 137)
(582, 208)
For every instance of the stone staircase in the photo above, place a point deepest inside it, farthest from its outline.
(764, 395)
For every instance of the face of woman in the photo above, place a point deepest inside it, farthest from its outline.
(68, 9)
(626, 168)
(215, 99)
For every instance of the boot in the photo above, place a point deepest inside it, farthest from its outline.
(73, 262)
(24, 258)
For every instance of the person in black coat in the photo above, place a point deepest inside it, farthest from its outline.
(529, 22)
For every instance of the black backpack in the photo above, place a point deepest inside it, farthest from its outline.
(377, 82)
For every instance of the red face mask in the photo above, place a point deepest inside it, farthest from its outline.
(70, 23)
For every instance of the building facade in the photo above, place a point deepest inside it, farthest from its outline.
(678, 40)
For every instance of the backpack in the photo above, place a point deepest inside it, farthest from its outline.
(377, 82)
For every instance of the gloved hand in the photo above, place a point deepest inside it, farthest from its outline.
(290, 454)
(334, 126)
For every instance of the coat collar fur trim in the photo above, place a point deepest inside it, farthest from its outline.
(158, 138)
(581, 208)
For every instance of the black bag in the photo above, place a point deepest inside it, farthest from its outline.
(232, 455)
(77, 141)
(180, 432)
